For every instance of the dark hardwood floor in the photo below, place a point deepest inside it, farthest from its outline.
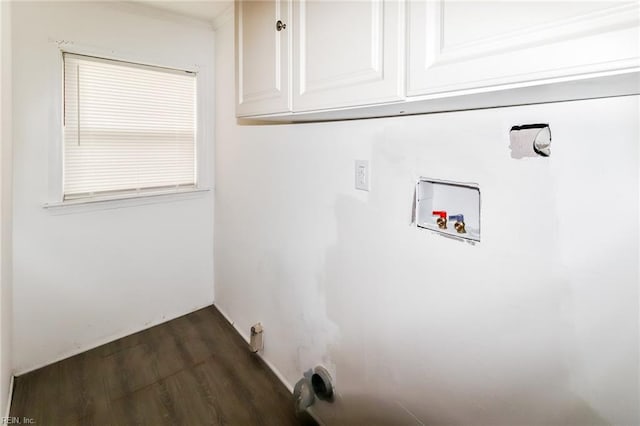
(194, 370)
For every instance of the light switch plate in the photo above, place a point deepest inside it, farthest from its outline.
(362, 175)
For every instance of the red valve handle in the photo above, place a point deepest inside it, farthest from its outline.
(442, 214)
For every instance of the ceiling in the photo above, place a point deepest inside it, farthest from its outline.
(207, 10)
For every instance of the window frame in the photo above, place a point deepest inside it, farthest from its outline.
(129, 186)
(204, 132)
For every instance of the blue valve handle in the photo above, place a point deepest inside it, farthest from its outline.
(457, 217)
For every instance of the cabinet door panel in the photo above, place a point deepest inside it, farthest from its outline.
(347, 53)
(262, 57)
(457, 45)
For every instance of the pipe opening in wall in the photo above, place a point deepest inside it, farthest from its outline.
(530, 140)
(321, 384)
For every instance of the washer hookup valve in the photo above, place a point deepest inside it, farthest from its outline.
(459, 225)
(441, 221)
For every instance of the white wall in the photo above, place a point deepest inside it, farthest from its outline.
(5, 206)
(84, 276)
(537, 324)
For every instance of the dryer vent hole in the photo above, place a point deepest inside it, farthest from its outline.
(321, 384)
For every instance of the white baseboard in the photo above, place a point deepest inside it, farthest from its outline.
(9, 397)
(245, 336)
(106, 340)
(275, 371)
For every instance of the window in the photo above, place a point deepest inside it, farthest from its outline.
(128, 128)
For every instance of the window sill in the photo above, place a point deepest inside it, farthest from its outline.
(122, 200)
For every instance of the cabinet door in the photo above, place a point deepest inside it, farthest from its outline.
(457, 45)
(263, 84)
(347, 53)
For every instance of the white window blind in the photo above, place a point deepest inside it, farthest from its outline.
(127, 128)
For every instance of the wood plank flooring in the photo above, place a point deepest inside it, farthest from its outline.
(194, 370)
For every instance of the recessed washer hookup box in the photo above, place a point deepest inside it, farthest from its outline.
(449, 208)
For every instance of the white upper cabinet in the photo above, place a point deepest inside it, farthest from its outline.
(342, 59)
(347, 53)
(456, 45)
(263, 80)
